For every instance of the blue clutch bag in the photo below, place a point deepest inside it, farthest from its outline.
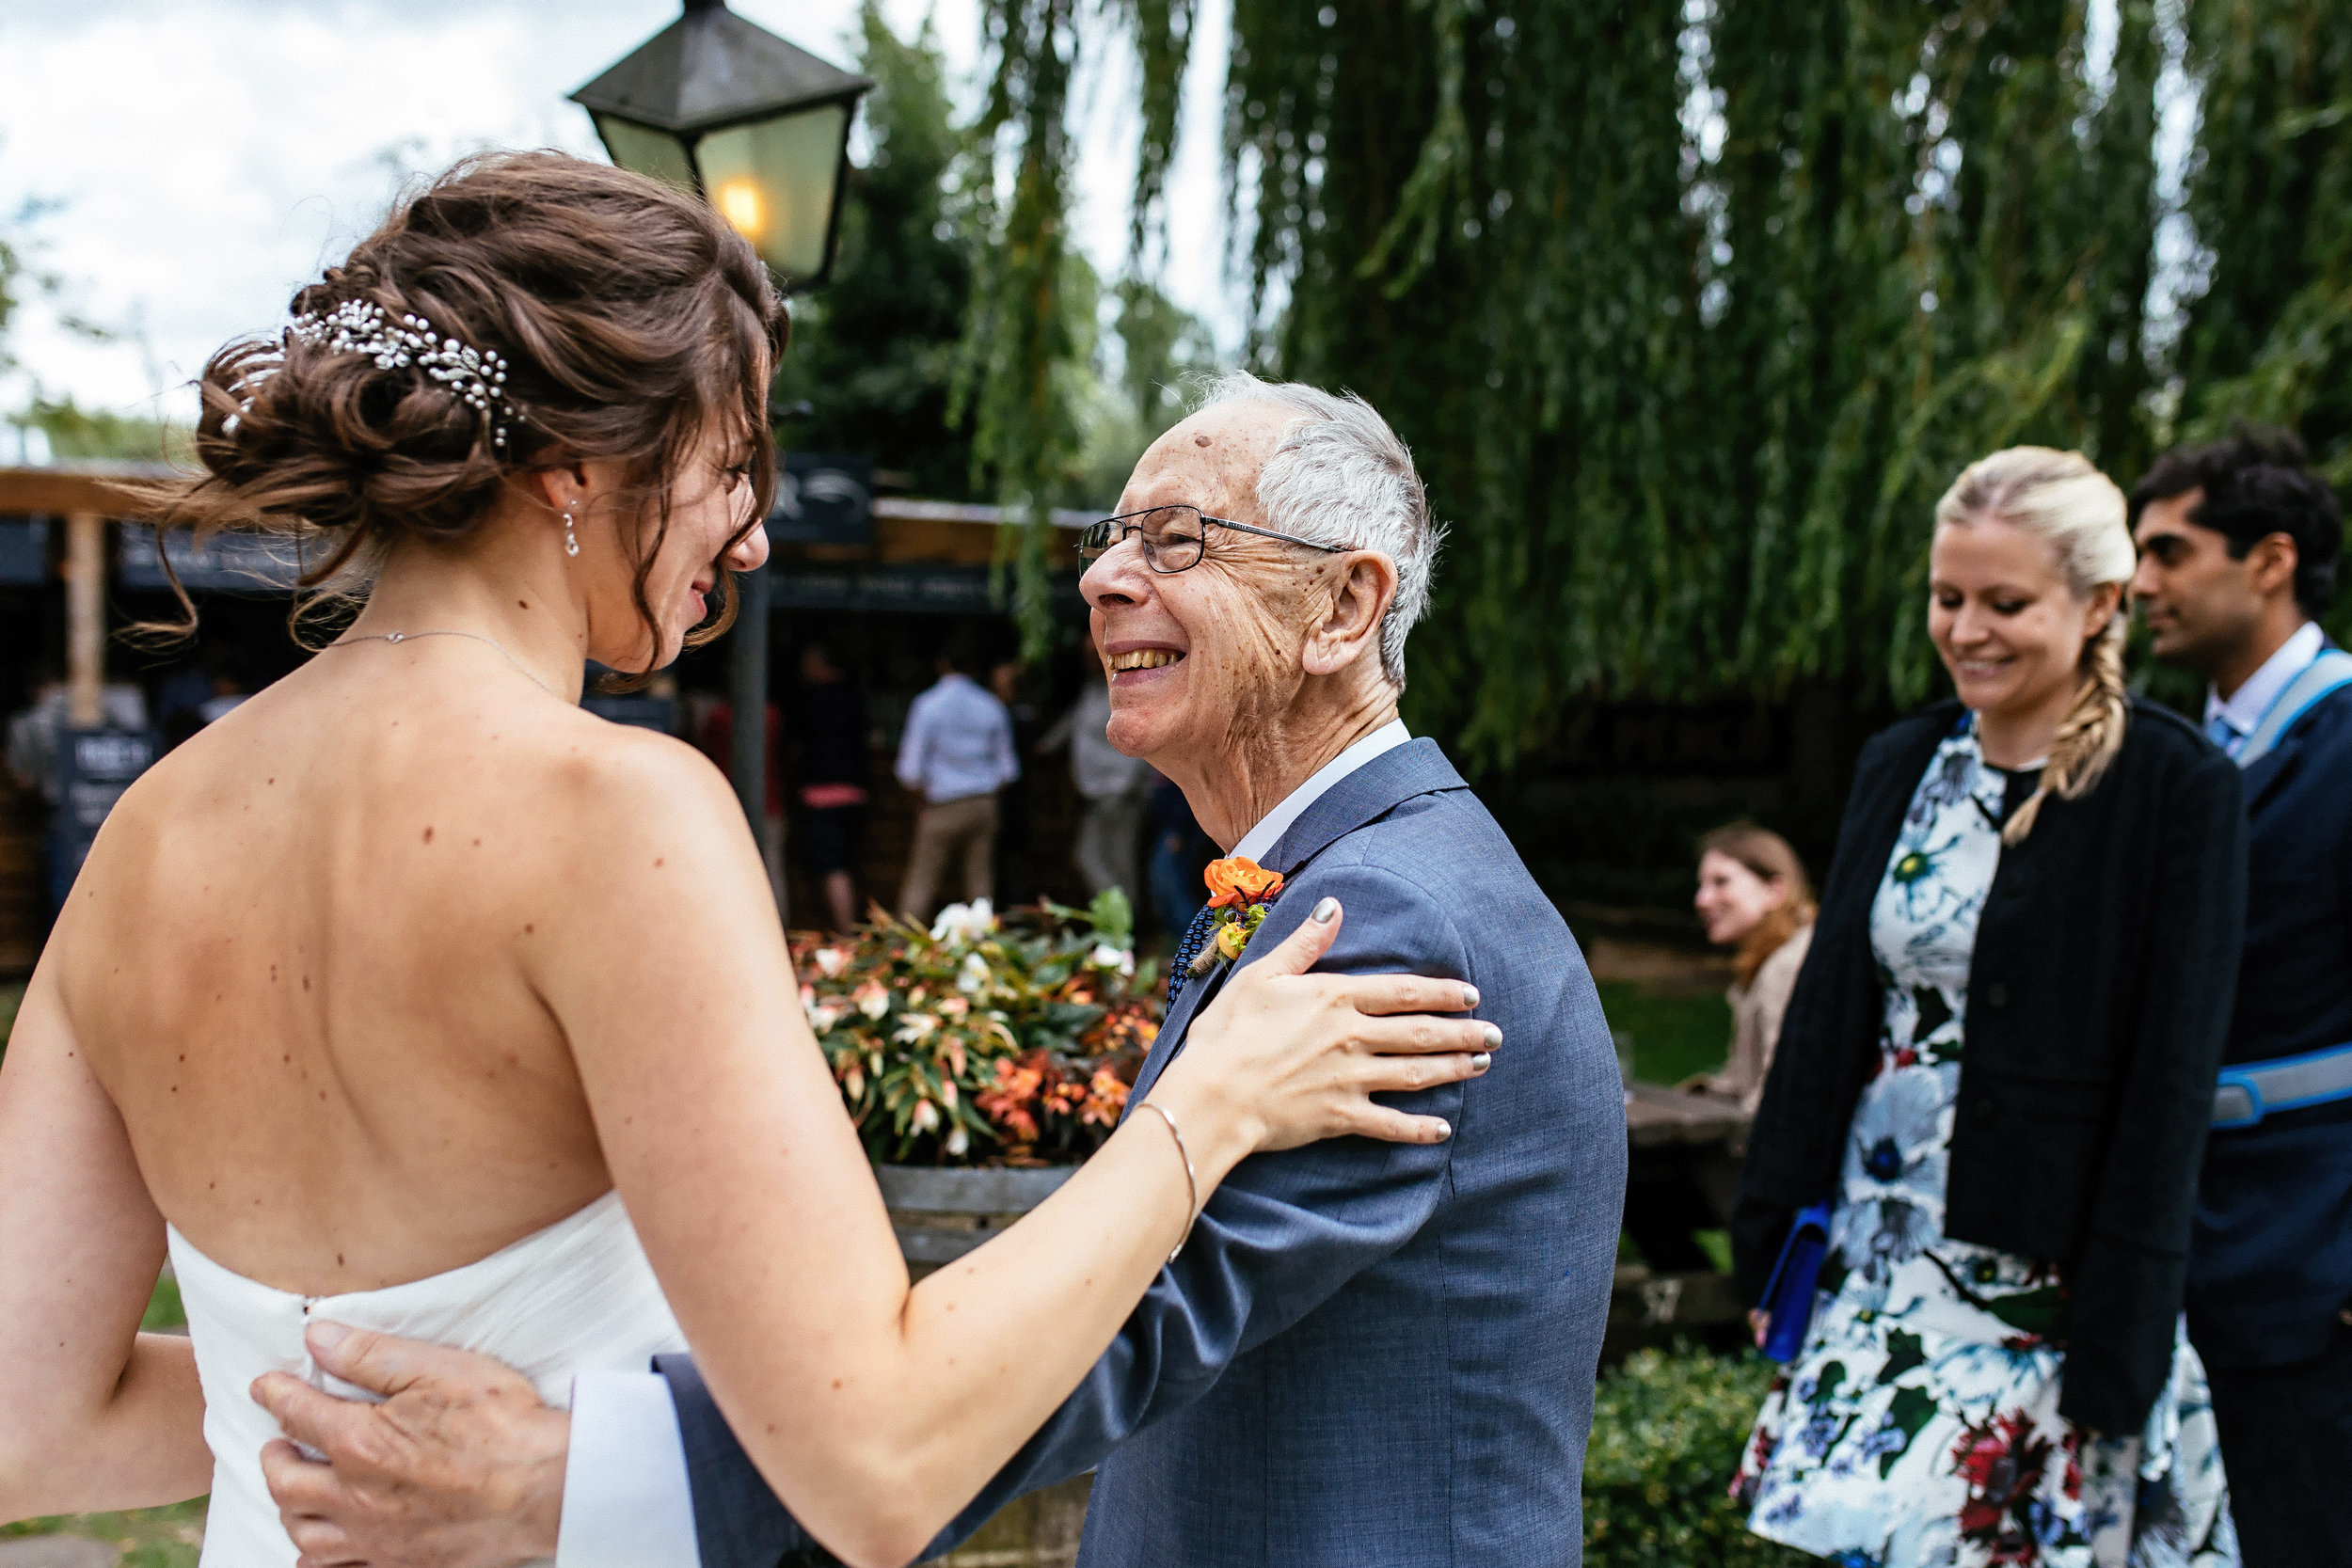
(1788, 1294)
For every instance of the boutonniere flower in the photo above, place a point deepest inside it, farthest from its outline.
(1240, 891)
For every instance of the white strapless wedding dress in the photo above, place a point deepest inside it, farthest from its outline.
(577, 1296)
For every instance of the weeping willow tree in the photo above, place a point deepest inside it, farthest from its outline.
(1690, 308)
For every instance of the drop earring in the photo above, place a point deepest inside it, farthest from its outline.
(571, 540)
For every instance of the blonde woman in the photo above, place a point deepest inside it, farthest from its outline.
(1999, 1064)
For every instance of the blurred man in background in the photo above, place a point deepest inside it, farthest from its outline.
(1111, 783)
(956, 753)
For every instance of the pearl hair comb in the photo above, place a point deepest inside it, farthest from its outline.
(477, 376)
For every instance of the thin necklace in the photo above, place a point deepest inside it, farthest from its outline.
(409, 635)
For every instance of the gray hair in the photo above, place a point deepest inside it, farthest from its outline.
(1340, 476)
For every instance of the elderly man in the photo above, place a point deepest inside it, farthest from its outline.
(1367, 1354)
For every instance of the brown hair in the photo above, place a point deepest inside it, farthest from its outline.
(1768, 855)
(632, 320)
(2061, 499)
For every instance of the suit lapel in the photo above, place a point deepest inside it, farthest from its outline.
(2272, 769)
(1373, 790)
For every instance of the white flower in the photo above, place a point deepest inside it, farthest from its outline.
(822, 1017)
(1104, 955)
(964, 922)
(914, 1026)
(925, 1116)
(872, 1000)
(973, 977)
(959, 1141)
(830, 961)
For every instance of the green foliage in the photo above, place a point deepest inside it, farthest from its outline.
(147, 1538)
(1690, 311)
(874, 354)
(1675, 1032)
(163, 1307)
(983, 1038)
(1667, 1432)
(75, 432)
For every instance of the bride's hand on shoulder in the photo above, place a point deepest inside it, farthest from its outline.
(1290, 1056)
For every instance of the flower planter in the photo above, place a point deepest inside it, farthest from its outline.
(941, 1214)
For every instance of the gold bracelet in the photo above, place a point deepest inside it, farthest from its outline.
(1192, 1183)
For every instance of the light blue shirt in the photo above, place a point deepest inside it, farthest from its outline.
(2232, 722)
(958, 742)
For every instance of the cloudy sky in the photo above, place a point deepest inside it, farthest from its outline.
(202, 158)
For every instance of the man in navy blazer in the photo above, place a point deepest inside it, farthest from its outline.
(1366, 1354)
(2239, 544)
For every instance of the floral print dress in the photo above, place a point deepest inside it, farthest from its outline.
(1920, 1425)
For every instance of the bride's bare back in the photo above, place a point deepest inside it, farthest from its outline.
(298, 962)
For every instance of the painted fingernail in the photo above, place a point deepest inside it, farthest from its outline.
(1481, 1062)
(1445, 1130)
(1492, 1032)
(1470, 997)
(1326, 912)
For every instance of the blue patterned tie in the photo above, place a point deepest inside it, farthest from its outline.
(2224, 735)
(1196, 938)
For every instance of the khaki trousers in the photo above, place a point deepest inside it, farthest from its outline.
(943, 830)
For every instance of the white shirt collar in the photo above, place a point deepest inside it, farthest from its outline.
(2248, 702)
(1271, 827)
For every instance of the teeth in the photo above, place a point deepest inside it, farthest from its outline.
(1143, 659)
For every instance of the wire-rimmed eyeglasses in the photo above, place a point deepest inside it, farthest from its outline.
(1174, 537)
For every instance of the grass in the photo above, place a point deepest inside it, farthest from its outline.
(1675, 1032)
(168, 1537)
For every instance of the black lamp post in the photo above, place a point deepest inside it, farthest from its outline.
(762, 129)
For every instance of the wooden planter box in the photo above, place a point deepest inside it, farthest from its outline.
(941, 1214)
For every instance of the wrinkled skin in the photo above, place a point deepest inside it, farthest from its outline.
(1281, 666)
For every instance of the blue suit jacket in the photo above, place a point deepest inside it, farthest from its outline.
(2270, 1260)
(1369, 1353)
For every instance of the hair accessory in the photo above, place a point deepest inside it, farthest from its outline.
(571, 540)
(1192, 1183)
(478, 377)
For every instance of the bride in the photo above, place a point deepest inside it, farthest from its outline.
(412, 996)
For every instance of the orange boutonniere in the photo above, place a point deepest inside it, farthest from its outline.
(1239, 882)
(1240, 890)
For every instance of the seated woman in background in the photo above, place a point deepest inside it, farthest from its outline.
(1753, 894)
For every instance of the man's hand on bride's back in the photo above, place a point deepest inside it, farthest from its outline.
(1305, 1052)
(461, 1467)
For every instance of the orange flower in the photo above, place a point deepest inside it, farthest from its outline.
(1239, 882)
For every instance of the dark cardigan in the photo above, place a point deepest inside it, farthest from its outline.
(2098, 998)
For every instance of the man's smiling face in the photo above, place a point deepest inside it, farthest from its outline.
(1201, 659)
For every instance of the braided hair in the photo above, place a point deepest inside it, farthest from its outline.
(2061, 499)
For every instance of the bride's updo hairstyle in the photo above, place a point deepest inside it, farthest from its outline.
(2062, 500)
(628, 321)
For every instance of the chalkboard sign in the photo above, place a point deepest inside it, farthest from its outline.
(94, 768)
(23, 551)
(823, 499)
